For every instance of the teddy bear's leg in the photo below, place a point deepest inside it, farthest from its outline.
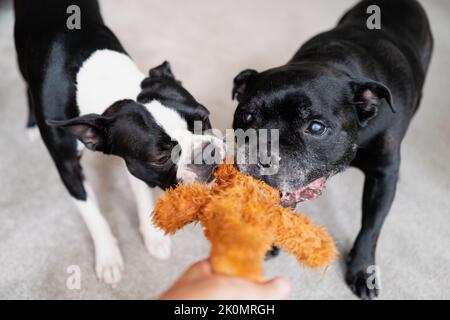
(310, 244)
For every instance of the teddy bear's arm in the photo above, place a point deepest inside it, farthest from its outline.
(310, 244)
(180, 206)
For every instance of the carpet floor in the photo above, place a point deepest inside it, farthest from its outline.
(41, 233)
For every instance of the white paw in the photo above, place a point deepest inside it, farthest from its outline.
(109, 264)
(33, 133)
(158, 245)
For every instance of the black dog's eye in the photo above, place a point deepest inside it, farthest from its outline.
(316, 128)
(247, 117)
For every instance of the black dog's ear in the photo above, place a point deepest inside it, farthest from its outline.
(240, 83)
(91, 129)
(367, 96)
(162, 71)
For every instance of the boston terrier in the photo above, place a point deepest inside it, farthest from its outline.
(346, 98)
(83, 87)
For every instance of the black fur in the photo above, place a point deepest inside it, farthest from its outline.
(50, 56)
(364, 86)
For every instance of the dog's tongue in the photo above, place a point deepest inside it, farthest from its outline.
(311, 191)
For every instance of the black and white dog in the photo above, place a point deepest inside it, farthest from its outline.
(82, 85)
(346, 98)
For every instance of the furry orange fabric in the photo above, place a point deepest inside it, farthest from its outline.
(242, 219)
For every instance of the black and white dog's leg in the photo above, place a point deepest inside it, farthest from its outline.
(108, 259)
(63, 149)
(157, 243)
(379, 191)
(32, 129)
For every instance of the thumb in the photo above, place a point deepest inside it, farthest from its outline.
(276, 289)
(197, 271)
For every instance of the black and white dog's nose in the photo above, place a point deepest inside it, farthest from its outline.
(205, 161)
(203, 172)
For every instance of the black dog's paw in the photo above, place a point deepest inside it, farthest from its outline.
(272, 253)
(362, 276)
(360, 282)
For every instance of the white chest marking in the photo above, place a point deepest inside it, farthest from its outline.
(104, 78)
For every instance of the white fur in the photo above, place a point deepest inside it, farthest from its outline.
(108, 76)
(33, 133)
(80, 146)
(169, 120)
(176, 127)
(108, 259)
(157, 244)
(104, 78)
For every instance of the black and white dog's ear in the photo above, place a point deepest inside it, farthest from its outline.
(240, 83)
(367, 98)
(162, 71)
(91, 129)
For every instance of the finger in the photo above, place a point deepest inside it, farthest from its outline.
(278, 288)
(196, 271)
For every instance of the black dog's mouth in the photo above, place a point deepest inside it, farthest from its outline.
(309, 192)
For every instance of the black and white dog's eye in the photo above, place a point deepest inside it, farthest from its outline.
(316, 128)
(161, 160)
(247, 117)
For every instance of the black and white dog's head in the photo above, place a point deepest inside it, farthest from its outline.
(318, 115)
(154, 134)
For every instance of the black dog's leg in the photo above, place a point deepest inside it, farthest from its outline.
(379, 192)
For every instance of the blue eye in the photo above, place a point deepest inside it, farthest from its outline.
(316, 128)
(247, 118)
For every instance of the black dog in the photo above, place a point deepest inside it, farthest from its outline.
(346, 98)
(82, 85)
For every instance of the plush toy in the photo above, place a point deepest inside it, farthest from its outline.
(242, 219)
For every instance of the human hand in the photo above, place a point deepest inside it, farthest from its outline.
(199, 282)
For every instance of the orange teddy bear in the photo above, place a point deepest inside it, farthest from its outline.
(242, 219)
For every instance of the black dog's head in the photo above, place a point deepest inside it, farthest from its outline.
(154, 134)
(318, 115)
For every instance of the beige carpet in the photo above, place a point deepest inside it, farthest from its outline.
(208, 43)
